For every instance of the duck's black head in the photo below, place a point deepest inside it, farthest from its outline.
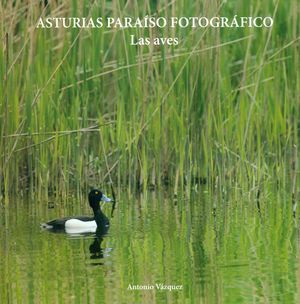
(95, 197)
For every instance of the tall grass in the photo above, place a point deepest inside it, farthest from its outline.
(223, 106)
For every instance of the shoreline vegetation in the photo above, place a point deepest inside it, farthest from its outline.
(82, 107)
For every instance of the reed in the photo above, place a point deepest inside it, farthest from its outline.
(81, 107)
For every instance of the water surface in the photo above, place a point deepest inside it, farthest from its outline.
(234, 254)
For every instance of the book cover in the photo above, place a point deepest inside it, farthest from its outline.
(149, 151)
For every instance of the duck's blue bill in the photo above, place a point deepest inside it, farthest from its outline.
(105, 198)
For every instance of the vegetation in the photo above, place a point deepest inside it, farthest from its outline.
(81, 107)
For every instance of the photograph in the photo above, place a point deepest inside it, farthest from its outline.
(149, 151)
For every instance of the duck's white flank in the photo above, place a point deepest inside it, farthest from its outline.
(77, 226)
(75, 223)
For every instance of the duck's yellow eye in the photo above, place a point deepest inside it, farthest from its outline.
(96, 192)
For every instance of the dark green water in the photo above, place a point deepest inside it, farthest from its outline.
(236, 255)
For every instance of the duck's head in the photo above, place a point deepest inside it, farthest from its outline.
(95, 197)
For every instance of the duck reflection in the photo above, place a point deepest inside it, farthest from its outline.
(96, 251)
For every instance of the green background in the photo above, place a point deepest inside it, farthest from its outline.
(199, 141)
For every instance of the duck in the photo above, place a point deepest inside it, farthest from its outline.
(83, 224)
